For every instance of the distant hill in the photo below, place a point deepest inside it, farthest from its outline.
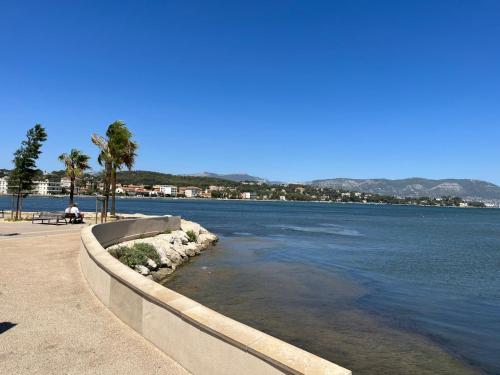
(237, 177)
(416, 187)
(153, 178)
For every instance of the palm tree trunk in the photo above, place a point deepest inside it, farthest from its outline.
(12, 206)
(107, 181)
(18, 201)
(71, 190)
(113, 191)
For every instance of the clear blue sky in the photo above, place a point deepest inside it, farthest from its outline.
(288, 90)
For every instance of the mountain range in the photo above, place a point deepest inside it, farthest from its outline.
(408, 187)
(417, 187)
(237, 177)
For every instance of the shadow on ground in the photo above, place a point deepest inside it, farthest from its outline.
(5, 326)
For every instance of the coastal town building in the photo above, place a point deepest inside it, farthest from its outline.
(65, 182)
(206, 193)
(248, 195)
(168, 190)
(4, 184)
(46, 187)
(66, 185)
(190, 191)
(41, 187)
(216, 188)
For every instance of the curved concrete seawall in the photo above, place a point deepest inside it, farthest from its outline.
(200, 339)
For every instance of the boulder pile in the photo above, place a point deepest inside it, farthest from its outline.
(173, 248)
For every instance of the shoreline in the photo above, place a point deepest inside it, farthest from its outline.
(87, 197)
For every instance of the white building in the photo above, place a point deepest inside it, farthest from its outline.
(192, 192)
(66, 185)
(249, 195)
(4, 183)
(168, 190)
(41, 187)
(65, 182)
(46, 187)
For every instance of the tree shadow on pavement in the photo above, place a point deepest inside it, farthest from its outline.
(5, 326)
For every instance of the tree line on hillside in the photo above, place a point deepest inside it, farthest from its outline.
(156, 178)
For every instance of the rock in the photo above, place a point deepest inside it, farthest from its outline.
(166, 262)
(173, 248)
(207, 239)
(143, 270)
(163, 253)
(191, 249)
(179, 249)
(160, 275)
(151, 264)
(174, 256)
(189, 225)
(163, 237)
(180, 237)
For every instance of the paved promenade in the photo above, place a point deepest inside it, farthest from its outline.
(51, 323)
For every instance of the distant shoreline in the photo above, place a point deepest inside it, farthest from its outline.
(76, 197)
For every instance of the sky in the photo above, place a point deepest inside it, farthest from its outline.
(287, 90)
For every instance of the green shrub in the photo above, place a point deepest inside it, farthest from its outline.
(135, 255)
(148, 250)
(118, 252)
(192, 236)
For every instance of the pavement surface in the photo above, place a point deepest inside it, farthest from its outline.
(50, 322)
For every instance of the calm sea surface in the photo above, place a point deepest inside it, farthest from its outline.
(377, 289)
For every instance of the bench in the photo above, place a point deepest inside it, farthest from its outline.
(48, 217)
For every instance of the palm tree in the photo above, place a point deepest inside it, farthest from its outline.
(76, 162)
(123, 152)
(117, 151)
(105, 160)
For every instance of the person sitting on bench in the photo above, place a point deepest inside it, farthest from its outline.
(78, 215)
(74, 214)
